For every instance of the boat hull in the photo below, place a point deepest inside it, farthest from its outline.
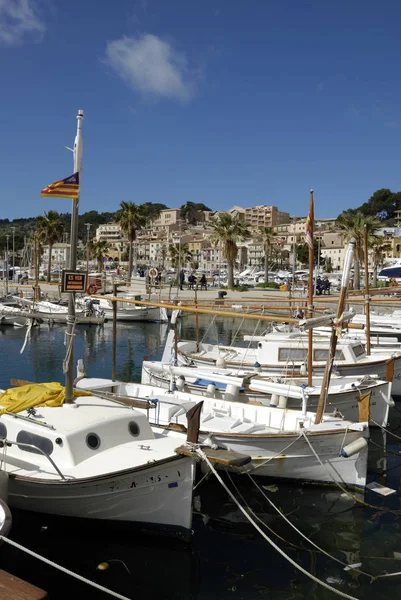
(160, 494)
(298, 462)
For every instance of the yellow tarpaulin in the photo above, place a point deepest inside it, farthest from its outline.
(34, 394)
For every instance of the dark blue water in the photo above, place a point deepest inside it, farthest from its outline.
(227, 558)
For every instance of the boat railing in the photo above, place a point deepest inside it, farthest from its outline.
(37, 449)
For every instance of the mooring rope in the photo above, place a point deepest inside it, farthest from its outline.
(63, 569)
(266, 537)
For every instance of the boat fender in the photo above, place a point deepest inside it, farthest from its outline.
(302, 369)
(354, 447)
(211, 390)
(180, 383)
(274, 400)
(91, 289)
(282, 401)
(389, 400)
(221, 363)
(4, 486)
(257, 368)
(231, 392)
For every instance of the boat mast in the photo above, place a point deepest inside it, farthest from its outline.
(349, 258)
(310, 289)
(367, 299)
(69, 376)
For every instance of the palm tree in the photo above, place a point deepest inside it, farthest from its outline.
(163, 254)
(379, 247)
(98, 249)
(50, 231)
(268, 236)
(180, 254)
(353, 225)
(130, 217)
(229, 231)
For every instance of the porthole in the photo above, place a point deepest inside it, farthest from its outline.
(40, 443)
(3, 431)
(134, 428)
(93, 441)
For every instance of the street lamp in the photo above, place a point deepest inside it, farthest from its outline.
(88, 226)
(13, 230)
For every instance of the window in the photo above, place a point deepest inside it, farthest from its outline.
(319, 355)
(292, 354)
(359, 350)
(44, 444)
(93, 441)
(134, 428)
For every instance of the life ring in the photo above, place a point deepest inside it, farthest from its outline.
(153, 273)
(91, 289)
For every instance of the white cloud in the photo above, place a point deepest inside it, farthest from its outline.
(151, 66)
(18, 20)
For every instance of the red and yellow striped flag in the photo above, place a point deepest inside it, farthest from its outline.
(65, 188)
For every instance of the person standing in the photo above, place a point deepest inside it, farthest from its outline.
(181, 278)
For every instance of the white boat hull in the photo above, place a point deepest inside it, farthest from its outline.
(151, 314)
(269, 459)
(160, 494)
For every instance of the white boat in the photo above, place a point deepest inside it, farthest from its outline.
(276, 439)
(50, 312)
(343, 395)
(283, 355)
(127, 311)
(95, 459)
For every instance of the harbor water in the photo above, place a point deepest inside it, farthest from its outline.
(227, 558)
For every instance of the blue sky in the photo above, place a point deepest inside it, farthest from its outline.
(216, 101)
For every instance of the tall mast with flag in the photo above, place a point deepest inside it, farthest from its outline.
(309, 241)
(69, 188)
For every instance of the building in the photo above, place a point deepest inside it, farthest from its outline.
(60, 255)
(168, 220)
(265, 216)
(109, 232)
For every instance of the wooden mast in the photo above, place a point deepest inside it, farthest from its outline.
(367, 299)
(334, 334)
(309, 237)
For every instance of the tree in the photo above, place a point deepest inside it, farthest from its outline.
(98, 249)
(190, 212)
(50, 231)
(353, 226)
(151, 210)
(380, 205)
(302, 253)
(268, 236)
(229, 231)
(379, 247)
(163, 253)
(180, 254)
(130, 218)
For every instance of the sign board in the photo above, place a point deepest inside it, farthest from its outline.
(73, 281)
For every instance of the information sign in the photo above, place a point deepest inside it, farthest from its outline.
(73, 281)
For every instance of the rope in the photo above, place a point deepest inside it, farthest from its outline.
(386, 430)
(63, 569)
(302, 534)
(266, 537)
(343, 489)
(69, 342)
(28, 331)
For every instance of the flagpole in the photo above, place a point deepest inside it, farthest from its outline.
(69, 376)
(310, 297)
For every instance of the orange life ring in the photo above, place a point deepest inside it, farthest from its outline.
(91, 289)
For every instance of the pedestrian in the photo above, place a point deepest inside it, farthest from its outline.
(203, 282)
(182, 278)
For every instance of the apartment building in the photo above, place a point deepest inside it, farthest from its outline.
(168, 220)
(265, 216)
(109, 232)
